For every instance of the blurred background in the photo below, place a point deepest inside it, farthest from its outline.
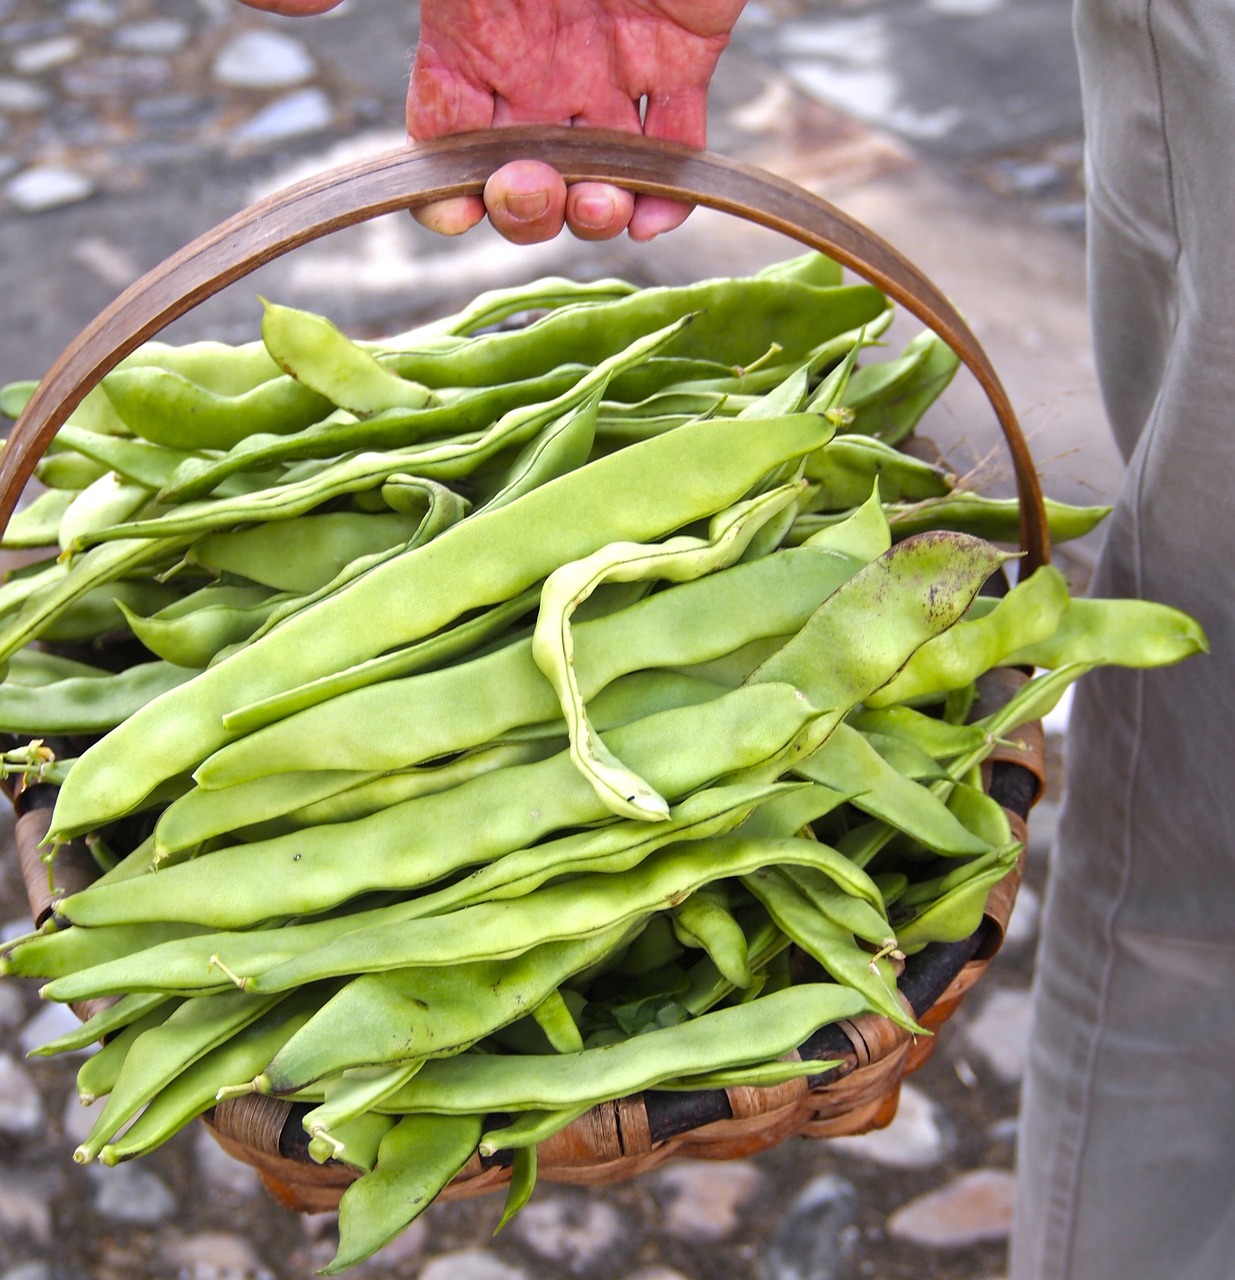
(953, 128)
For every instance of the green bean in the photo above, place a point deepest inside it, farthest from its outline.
(553, 1016)
(305, 553)
(436, 650)
(195, 1088)
(957, 913)
(391, 725)
(937, 738)
(495, 305)
(126, 1010)
(1029, 613)
(161, 1052)
(98, 567)
(758, 1031)
(832, 945)
(475, 409)
(38, 523)
(843, 473)
(352, 1095)
(1130, 633)
(528, 1129)
(403, 847)
(588, 904)
(522, 1184)
(891, 412)
(700, 470)
(561, 446)
(355, 1143)
(102, 609)
(410, 1014)
(841, 908)
(713, 811)
(809, 268)
(862, 654)
(137, 461)
(703, 921)
(94, 413)
(735, 323)
(416, 1159)
(220, 367)
(847, 763)
(99, 1073)
(679, 559)
(107, 501)
(34, 667)
(192, 630)
(85, 704)
(321, 358)
(67, 469)
(168, 409)
(64, 951)
(764, 1075)
(995, 519)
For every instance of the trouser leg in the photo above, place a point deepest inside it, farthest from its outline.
(1127, 1157)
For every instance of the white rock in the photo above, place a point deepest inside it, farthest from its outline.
(1000, 1033)
(291, 116)
(263, 60)
(704, 1198)
(157, 35)
(575, 1230)
(21, 1109)
(29, 1271)
(214, 1255)
(47, 187)
(129, 1193)
(92, 13)
(914, 1140)
(25, 1208)
(43, 55)
(18, 96)
(219, 1170)
(12, 1006)
(976, 1206)
(469, 1264)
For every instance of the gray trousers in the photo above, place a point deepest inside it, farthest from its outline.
(1127, 1150)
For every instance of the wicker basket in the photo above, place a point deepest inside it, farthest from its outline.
(622, 1139)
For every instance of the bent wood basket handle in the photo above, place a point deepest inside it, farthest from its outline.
(459, 165)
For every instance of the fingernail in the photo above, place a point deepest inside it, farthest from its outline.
(527, 206)
(596, 212)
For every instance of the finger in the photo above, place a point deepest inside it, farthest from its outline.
(440, 102)
(293, 8)
(526, 200)
(451, 217)
(596, 211)
(677, 117)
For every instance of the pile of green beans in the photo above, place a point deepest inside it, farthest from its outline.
(514, 718)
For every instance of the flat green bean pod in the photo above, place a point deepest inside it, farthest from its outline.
(425, 839)
(758, 1031)
(85, 704)
(409, 1014)
(321, 358)
(415, 1160)
(700, 470)
(553, 646)
(37, 524)
(168, 409)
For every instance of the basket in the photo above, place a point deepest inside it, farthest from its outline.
(622, 1139)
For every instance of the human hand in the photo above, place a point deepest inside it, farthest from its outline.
(587, 62)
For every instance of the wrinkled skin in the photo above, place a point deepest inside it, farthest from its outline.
(589, 62)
